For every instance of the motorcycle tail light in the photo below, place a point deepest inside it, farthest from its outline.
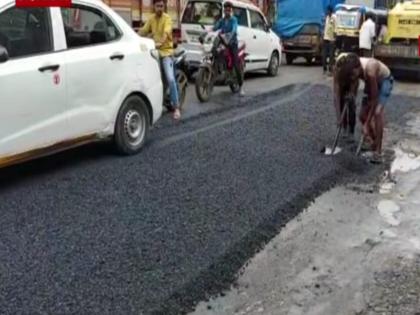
(176, 35)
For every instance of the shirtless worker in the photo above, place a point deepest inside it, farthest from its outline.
(378, 87)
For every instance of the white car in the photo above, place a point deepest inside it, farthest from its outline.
(263, 46)
(73, 75)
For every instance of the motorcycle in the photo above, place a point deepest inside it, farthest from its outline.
(217, 67)
(181, 79)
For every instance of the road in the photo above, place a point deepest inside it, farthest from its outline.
(88, 232)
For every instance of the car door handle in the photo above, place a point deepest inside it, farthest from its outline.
(117, 56)
(49, 68)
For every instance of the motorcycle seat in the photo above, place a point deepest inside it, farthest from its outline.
(179, 53)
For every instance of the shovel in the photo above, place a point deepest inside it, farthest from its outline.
(359, 147)
(339, 128)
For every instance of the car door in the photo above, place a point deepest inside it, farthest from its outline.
(244, 33)
(32, 82)
(96, 67)
(261, 39)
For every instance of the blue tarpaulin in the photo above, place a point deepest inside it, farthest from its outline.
(292, 15)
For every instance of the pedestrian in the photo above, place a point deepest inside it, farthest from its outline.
(367, 36)
(328, 45)
(378, 88)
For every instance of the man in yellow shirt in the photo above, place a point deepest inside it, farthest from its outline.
(159, 28)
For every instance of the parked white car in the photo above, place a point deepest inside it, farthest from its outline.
(73, 75)
(263, 46)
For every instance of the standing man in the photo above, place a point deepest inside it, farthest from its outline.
(328, 46)
(367, 36)
(378, 88)
(229, 26)
(159, 27)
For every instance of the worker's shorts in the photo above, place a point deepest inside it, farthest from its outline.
(385, 90)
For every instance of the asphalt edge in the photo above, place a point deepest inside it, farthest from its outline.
(222, 274)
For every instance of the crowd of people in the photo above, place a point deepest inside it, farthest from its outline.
(368, 35)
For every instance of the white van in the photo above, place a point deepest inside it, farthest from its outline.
(263, 46)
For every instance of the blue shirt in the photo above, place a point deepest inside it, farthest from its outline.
(228, 26)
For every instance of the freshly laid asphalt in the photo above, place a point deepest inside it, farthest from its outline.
(89, 232)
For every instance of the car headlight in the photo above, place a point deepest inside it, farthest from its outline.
(155, 54)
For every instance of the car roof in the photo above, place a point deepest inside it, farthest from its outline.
(237, 3)
(4, 3)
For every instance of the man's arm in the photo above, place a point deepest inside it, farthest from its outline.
(145, 30)
(372, 83)
(373, 32)
(218, 25)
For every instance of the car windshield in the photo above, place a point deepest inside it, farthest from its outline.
(201, 12)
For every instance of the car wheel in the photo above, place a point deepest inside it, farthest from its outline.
(289, 59)
(273, 66)
(132, 125)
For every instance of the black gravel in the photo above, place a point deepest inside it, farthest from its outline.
(88, 232)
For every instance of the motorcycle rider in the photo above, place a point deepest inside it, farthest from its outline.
(228, 24)
(159, 27)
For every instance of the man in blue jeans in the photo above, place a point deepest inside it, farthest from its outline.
(159, 27)
(229, 26)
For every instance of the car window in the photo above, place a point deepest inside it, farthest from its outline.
(201, 12)
(26, 31)
(257, 21)
(242, 16)
(85, 26)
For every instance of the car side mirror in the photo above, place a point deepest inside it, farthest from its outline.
(267, 27)
(4, 55)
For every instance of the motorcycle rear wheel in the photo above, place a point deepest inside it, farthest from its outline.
(204, 84)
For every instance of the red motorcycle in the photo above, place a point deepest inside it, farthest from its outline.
(217, 67)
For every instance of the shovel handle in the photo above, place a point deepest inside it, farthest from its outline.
(340, 126)
(359, 147)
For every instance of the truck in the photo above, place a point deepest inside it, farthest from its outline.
(400, 49)
(300, 25)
